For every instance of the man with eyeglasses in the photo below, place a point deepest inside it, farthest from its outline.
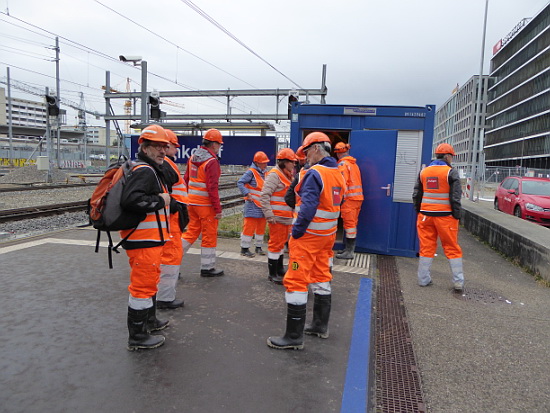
(310, 246)
(146, 193)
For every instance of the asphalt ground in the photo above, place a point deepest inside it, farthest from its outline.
(64, 336)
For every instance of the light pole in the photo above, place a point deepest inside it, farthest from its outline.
(476, 158)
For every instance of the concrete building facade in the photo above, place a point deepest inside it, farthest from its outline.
(518, 110)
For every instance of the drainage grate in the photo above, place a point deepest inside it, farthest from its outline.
(481, 296)
(398, 385)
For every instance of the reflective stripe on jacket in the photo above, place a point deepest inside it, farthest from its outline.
(179, 189)
(255, 191)
(325, 221)
(435, 184)
(197, 191)
(150, 229)
(277, 199)
(352, 176)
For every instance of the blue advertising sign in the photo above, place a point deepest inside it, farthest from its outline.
(236, 150)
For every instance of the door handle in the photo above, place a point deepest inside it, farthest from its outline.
(387, 188)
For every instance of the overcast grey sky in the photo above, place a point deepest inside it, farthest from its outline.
(383, 52)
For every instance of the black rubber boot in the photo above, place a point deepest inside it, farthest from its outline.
(321, 314)
(245, 252)
(273, 274)
(212, 272)
(260, 251)
(153, 323)
(139, 337)
(344, 244)
(294, 334)
(281, 267)
(170, 305)
(348, 252)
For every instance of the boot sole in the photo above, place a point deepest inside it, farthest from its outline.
(141, 347)
(293, 347)
(275, 281)
(314, 333)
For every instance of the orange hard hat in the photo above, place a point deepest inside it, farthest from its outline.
(154, 133)
(445, 148)
(260, 157)
(300, 153)
(287, 153)
(213, 135)
(172, 137)
(315, 137)
(341, 147)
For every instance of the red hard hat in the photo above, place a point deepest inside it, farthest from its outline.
(315, 137)
(341, 147)
(213, 135)
(300, 153)
(287, 153)
(445, 148)
(154, 133)
(260, 157)
(172, 137)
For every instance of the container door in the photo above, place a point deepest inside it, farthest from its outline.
(375, 152)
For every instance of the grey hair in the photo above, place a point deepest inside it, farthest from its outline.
(324, 147)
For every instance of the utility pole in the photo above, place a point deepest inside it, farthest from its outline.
(57, 86)
(107, 121)
(476, 156)
(144, 96)
(48, 140)
(10, 125)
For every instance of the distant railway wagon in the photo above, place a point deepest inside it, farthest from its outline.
(391, 143)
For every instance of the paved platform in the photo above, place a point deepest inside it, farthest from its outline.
(64, 335)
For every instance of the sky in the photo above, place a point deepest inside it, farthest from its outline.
(390, 52)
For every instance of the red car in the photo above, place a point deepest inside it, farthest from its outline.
(525, 197)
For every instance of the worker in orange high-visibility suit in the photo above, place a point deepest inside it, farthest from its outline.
(353, 198)
(202, 178)
(172, 252)
(437, 199)
(277, 212)
(145, 192)
(250, 185)
(310, 247)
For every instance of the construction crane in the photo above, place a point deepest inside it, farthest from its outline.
(24, 87)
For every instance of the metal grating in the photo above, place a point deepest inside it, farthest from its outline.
(398, 385)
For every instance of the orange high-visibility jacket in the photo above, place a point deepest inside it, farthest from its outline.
(255, 191)
(277, 200)
(325, 221)
(352, 175)
(197, 191)
(179, 189)
(435, 184)
(148, 229)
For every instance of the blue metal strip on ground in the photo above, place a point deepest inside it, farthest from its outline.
(355, 397)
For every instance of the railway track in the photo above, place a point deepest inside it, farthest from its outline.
(19, 214)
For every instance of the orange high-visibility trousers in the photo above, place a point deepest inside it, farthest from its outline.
(144, 271)
(446, 228)
(278, 236)
(308, 262)
(202, 220)
(350, 215)
(172, 251)
(253, 226)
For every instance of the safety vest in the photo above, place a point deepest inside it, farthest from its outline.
(197, 191)
(354, 191)
(179, 189)
(435, 184)
(325, 221)
(151, 228)
(298, 198)
(255, 191)
(277, 200)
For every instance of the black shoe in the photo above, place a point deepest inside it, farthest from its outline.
(260, 251)
(212, 272)
(153, 323)
(321, 314)
(293, 338)
(273, 276)
(169, 305)
(245, 252)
